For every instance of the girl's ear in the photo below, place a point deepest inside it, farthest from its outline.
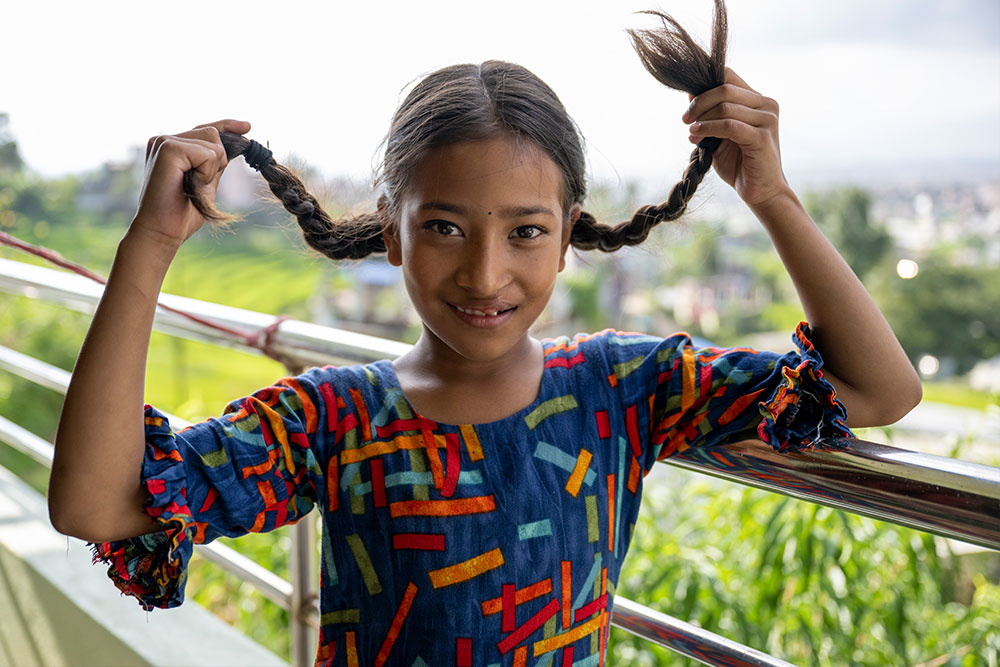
(390, 232)
(567, 232)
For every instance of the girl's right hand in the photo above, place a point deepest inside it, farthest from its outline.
(165, 212)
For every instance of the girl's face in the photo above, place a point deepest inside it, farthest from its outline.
(480, 235)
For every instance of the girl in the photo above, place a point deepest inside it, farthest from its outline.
(478, 492)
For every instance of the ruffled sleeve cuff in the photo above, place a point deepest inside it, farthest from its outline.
(153, 567)
(804, 408)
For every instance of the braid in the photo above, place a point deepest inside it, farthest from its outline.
(677, 61)
(346, 238)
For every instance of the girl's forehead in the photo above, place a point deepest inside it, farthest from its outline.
(491, 172)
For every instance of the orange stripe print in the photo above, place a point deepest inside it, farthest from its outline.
(312, 418)
(454, 507)
(566, 638)
(579, 472)
(381, 448)
(469, 569)
(567, 595)
(359, 404)
(633, 475)
(687, 387)
(397, 622)
(352, 650)
(611, 512)
(522, 595)
(472, 442)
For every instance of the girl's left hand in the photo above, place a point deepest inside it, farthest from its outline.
(749, 158)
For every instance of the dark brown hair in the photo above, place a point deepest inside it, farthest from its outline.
(475, 102)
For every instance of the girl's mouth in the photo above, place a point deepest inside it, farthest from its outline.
(484, 318)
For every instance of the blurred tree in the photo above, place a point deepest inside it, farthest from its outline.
(948, 310)
(843, 215)
(10, 157)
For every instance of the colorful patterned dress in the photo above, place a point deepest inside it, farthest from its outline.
(493, 544)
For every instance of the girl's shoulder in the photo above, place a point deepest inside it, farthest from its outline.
(609, 345)
(370, 383)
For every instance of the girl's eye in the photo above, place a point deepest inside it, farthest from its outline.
(443, 227)
(527, 232)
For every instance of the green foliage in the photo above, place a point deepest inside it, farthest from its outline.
(10, 156)
(948, 309)
(951, 392)
(809, 584)
(843, 215)
(584, 292)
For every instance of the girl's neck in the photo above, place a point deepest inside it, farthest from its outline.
(452, 389)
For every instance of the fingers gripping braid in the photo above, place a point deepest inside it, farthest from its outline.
(347, 238)
(672, 56)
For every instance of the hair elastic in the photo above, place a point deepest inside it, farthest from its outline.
(257, 156)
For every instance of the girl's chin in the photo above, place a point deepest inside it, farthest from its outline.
(478, 345)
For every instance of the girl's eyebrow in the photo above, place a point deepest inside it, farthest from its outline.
(504, 211)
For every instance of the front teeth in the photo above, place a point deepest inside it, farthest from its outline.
(478, 313)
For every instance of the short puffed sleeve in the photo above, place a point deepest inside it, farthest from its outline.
(257, 467)
(675, 395)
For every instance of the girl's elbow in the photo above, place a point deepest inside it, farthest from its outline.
(66, 521)
(895, 404)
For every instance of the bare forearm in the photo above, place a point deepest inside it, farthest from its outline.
(95, 491)
(863, 359)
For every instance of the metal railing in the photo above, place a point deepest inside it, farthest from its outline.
(943, 496)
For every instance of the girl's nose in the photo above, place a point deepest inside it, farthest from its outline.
(483, 269)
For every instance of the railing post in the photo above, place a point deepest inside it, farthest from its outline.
(301, 565)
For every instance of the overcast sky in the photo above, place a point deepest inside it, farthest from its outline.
(860, 82)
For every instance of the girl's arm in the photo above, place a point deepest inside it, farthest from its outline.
(863, 359)
(94, 490)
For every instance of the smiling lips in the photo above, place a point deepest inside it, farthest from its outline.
(484, 317)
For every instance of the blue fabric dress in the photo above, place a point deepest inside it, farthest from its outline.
(487, 544)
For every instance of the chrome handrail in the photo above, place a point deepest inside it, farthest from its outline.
(308, 343)
(689, 640)
(947, 497)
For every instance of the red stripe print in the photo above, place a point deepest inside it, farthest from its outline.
(705, 380)
(463, 652)
(378, 482)
(522, 595)
(418, 541)
(564, 362)
(632, 425)
(401, 613)
(359, 405)
(523, 632)
(603, 425)
(330, 401)
(344, 425)
(398, 425)
(508, 618)
(209, 499)
(454, 465)
(591, 608)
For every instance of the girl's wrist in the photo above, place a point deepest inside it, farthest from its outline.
(148, 243)
(783, 205)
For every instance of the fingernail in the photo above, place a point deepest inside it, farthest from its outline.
(687, 113)
(695, 127)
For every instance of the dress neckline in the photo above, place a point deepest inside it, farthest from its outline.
(388, 373)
